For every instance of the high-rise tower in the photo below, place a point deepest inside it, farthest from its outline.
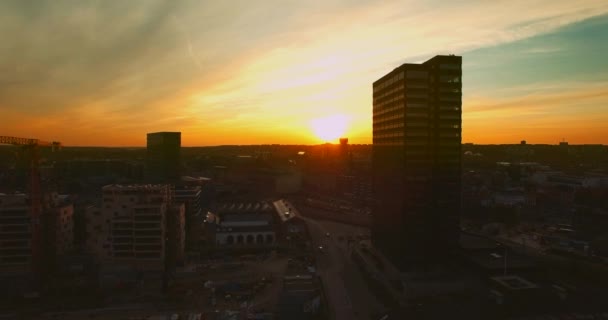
(163, 156)
(417, 160)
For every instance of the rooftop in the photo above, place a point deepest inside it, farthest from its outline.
(232, 217)
(135, 187)
(421, 66)
(255, 228)
(244, 207)
(194, 179)
(514, 282)
(283, 210)
(496, 260)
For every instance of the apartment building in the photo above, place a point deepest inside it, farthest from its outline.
(136, 225)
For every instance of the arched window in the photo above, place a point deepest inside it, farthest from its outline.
(249, 239)
(259, 239)
(239, 239)
(230, 239)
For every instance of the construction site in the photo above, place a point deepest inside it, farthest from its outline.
(36, 223)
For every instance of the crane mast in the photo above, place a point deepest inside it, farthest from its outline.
(32, 147)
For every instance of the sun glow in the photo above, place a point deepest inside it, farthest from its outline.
(329, 128)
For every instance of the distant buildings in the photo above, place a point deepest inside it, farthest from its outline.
(98, 171)
(163, 159)
(345, 156)
(288, 181)
(417, 160)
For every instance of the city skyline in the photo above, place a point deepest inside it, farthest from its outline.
(91, 75)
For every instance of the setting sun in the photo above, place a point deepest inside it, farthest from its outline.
(329, 128)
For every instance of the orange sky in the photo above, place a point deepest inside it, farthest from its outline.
(254, 73)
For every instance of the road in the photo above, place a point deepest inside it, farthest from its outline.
(348, 295)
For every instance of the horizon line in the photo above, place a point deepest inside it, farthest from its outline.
(320, 144)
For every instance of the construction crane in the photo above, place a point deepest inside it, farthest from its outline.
(31, 147)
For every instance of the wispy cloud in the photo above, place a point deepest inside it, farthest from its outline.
(543, 50)
(180, 27)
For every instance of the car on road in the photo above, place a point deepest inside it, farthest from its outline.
(321, 249)
(327, 234)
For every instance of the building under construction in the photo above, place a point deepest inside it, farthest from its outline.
(137, 225)
(56, 232)
(36, 227)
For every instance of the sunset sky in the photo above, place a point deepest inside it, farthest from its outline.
(104, 73)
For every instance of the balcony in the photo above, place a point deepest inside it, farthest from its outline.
(122, 240)
(15, 236)
(12, 244)
(15, 260)
(16, 252)
(155, 240)
(15, 229)
(148, 217)
(122, 225)
(122, 233)
(123, 254)
(147, 233)
(151, 247)
(121, 247)
(15, 221)
(149, 255)
(147, 225)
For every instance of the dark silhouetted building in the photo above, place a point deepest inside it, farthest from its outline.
(345, 156)
(163, 156)
(417, 161)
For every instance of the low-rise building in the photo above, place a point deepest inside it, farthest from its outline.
(243, 224)
(292, 228)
